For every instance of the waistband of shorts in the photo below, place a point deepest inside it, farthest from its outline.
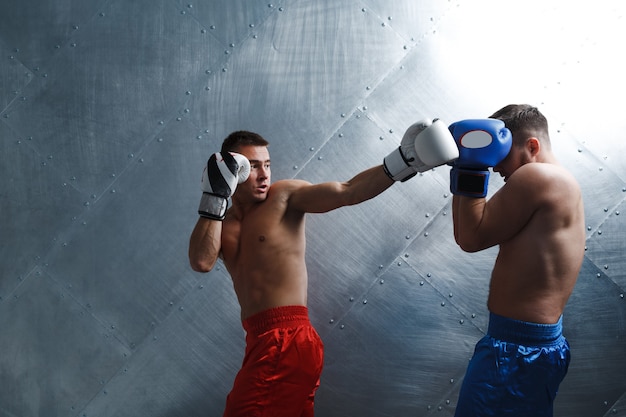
(524, 333)
(287, 316)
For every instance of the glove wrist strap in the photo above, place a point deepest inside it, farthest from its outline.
(469, 182)
(396, 166)
(212, 206)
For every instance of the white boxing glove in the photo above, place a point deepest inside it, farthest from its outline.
(425, 145)
(219, 180)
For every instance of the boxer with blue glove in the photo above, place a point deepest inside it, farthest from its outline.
(537, 222)
(482, 144)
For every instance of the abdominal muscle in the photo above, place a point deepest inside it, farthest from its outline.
(534, 276)
(260, 289)
(266, 262)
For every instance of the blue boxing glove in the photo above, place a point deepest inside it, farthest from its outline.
(482, 144)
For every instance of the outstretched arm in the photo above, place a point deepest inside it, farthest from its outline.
(327, 196)
(425, 145)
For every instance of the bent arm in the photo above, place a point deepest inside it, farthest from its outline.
(327, 196)
(467, 216)
(205, 244)
(480, 224)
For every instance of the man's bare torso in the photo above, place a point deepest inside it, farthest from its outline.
(264, 252)
(536, 270)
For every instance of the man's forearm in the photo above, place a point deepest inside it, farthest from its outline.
(205, 244)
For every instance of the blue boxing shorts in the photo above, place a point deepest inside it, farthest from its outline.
(515, 371)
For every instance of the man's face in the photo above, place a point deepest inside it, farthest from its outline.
(258, 183)
(515, 159)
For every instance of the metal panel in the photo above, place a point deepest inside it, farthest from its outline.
(59, 356)
(109, 109)
(36, 204)
(595, 379)
(126, 259)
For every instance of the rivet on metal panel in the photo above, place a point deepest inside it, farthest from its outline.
(364, 301)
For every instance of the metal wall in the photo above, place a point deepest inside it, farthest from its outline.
(109, 109)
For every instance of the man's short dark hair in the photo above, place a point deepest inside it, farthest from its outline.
(235, 140)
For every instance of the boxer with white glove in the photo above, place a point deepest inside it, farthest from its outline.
(425, 145)
(219, 180)
(482, 144)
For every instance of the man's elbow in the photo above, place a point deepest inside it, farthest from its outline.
(468, 245)
(200, 265)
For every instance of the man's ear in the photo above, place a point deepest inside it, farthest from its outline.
(533, 146)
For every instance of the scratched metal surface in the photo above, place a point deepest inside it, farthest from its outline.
(109, 108)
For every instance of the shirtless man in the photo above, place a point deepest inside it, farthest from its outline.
(537, 219)
(261, 240)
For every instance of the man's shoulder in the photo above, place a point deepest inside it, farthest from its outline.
(549, 182)
(289, 185)
(546, 172)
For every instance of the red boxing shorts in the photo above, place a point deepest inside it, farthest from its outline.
(281, 367)
(515, 371)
